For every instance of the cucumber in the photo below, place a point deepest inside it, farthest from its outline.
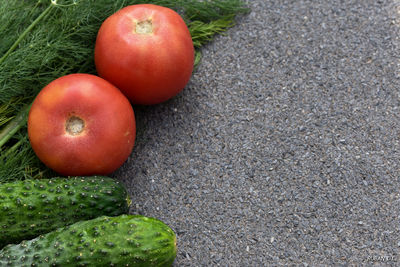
(126, 240)
(32, 207)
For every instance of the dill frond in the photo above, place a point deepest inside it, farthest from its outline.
(7, 112)
(19, 162)
(202, 32)
(210, 10)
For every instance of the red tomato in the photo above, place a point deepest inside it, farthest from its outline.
(146, 51)
(81, 124)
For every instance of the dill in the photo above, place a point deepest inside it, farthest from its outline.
(46, 39)
(20, 162)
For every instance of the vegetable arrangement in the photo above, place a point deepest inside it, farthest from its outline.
(67, 85)
(44, 40)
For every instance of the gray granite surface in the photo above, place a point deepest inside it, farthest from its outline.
(284, 147)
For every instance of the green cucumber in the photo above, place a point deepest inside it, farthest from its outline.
(36, 206)
(126, 240)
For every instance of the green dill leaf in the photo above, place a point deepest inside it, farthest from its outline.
(202, 32)
(207, 11)
(19, 162)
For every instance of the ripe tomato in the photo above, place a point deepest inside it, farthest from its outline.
(80, 124)
(146, 51)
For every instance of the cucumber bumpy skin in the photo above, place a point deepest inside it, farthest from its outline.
(36, 206)
(126, 240)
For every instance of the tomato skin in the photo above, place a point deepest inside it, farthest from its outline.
(149, 68)
(108, 134)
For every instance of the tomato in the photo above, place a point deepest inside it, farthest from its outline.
(80, 124)
(146, 51)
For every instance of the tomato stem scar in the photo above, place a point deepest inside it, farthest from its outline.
(144, 27)
(74, 125)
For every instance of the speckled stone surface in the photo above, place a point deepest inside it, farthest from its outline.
(284, 147)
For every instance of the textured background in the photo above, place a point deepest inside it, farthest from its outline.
(284, 147)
